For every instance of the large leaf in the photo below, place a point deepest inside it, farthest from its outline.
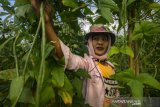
(136, 88)
(47, 94)
(67, 84)
(8, 74)
(113, 50)
(127, 50)
(70, 3)
(78, 84)
(123, 12)
(22, 10)
(109, 4)
(48, 50)
(58, 76)
(106, 13)
(124, 76)
(26, 96)
(149, 80)
(16, 89)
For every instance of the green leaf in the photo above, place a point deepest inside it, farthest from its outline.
(70, 3)
(127, 50)
(47, 94)
(48, 50)
(82, 73)
(123, 12)
(137, 36)
(22, 10)
(78, 84)
(149, 80)
(8, 74)
(124, 76)
(136, 88)
(106, 13)
(155, 6)
(58, 76)
(113, 50)
(21, 2)
(145, 28)
(67, 84)
(109, 4)
(26, 96)
(16, 89)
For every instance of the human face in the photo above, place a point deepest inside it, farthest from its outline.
(100, 44)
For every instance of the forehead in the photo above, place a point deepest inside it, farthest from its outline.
(100, 35)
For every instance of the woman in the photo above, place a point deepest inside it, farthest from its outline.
(99, 89)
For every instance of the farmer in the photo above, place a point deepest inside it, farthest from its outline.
(99, 89)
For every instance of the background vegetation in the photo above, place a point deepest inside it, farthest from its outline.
(31, 75)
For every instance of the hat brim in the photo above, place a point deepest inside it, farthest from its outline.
(103, 33)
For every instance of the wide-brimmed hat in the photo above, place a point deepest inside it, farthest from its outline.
(100, 29)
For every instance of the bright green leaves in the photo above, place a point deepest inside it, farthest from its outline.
(106, 13)
(155, 6)
(16, 89)
(70, 3)
(145, 29)
(148, 80)
(123, 49)
(58, 76)
(125, 76)
(113, 50)
(137, 83)
(66, 92)
(127, 50)
(105, 7)
(136, 88)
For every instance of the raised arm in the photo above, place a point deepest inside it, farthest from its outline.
(51, 35)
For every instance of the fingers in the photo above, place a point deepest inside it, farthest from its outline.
(36, 6)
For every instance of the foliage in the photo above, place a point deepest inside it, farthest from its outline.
(31, 75)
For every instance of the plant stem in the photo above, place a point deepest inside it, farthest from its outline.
(42, 65)
(15, 56)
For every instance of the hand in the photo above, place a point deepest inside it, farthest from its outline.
(48, 9)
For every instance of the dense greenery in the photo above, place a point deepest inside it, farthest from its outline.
(31, 75)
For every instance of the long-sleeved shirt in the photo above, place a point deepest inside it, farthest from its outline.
(94, 88)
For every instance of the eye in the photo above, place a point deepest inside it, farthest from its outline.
(95, 37)
(105, 38)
